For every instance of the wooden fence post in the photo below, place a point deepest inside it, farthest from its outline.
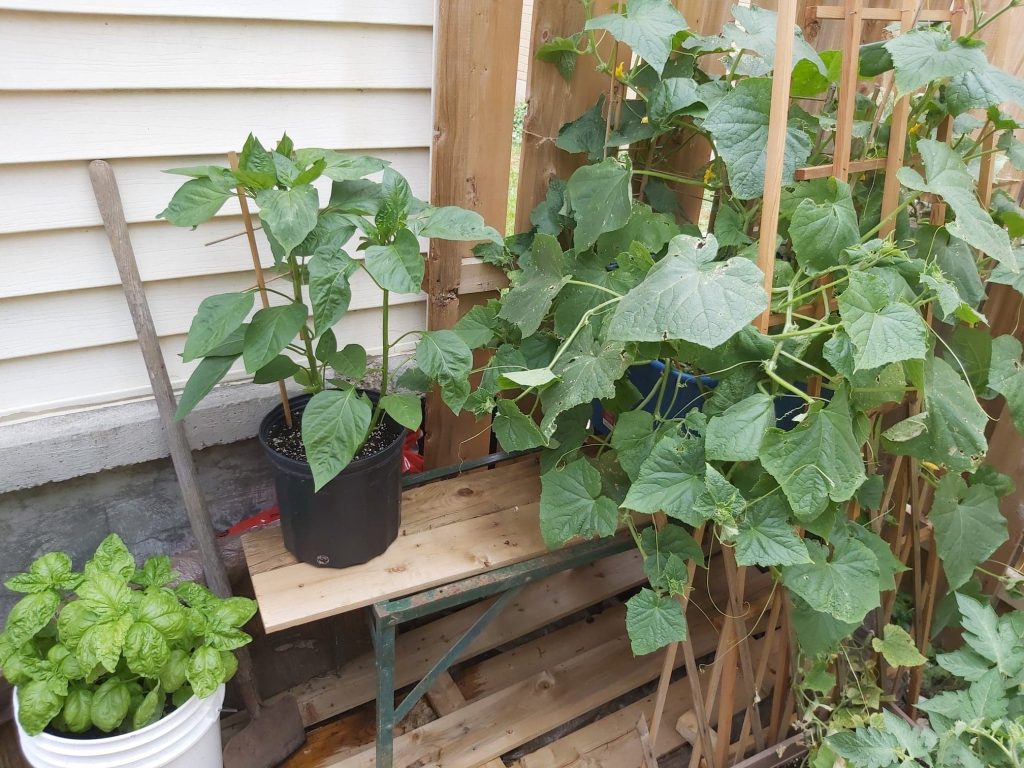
(475, 51)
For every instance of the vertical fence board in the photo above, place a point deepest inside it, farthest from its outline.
(476, 50)
(551, 102)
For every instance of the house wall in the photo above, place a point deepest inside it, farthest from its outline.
(150, 85)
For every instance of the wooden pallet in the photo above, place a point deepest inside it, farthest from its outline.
(493, 704)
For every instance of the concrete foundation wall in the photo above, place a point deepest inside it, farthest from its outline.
(140, 502)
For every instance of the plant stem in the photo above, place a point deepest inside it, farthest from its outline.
(669, 177)
(384, 359)
(813, 330)
(892, 215)
(596, 287)
(579, 327)
(316, 382)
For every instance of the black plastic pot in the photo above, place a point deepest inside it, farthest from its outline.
(352, 519)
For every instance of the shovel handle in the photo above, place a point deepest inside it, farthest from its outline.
(108, 198)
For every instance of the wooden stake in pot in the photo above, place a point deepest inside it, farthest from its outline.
(274, 732)
(250, 235)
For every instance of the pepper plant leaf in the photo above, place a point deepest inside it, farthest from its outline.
(270, 331)
(968, 527)
(571, 504)
(647, 27)
(690, 296)
(818, 460)
(950, 430)
(334, 426)
(216, 319)
(198, 200)
(202, 380)
(739, 125)
(450, 222)
(845, 585)
(291, 214)
(329, 290)
(444, 356)
(397, 266)
(883, 330)
(653, 621)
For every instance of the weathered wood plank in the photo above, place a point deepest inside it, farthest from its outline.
(474, 100)
(537, 605)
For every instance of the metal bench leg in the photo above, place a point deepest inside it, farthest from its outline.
(384, 648)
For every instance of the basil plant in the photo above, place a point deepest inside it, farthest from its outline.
(876, 352)
(381, 223)
(113, 647)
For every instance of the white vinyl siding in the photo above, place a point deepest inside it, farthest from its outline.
(156, 84)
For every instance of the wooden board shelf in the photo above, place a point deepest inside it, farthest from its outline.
(451, 529)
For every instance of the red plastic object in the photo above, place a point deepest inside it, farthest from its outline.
(412, 461)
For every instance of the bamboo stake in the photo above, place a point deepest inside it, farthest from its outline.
(250, 235)
(776, 149)
(897, 133)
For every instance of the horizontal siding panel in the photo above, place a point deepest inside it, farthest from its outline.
(42, 196)
(99, 317)
(405, 12)
(38, 262)
(76, 52)
(43, 383)
(55, 126)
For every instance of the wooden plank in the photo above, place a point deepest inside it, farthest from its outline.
(824, 171)
(776, 147)
(872, 14)
(54, 126)
(474, 101)
(401, 12)
(478, 277)
(40, 383)
(897, 135)
(445, 697)
(424, 508)
(847, 90)
(90, 318)
(551, 102)
(78, 52)
(26, 191)
(514, 715)
(539, 604)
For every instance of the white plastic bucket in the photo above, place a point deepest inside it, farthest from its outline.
(189, 737)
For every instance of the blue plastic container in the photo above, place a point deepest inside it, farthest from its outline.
(684, 392)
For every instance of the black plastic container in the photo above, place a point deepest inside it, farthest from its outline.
(352, 519)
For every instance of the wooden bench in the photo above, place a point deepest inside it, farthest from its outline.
(463, 539)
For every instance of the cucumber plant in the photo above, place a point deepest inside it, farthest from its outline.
(612, 275)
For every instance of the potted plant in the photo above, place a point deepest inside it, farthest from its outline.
(784, 458)
(338, 473)
(119, 665)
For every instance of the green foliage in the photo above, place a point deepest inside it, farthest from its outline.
(103, 648)
(776, 440)
(309, 242)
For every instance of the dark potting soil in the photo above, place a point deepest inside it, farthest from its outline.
(288, 442)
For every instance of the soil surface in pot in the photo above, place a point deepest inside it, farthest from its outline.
(288, 442)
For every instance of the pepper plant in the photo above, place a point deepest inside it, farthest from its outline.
(295, 339)
(736, 435)
(110, 648)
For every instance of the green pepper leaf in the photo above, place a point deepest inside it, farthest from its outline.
(202, 381)
(334, 426)
(398, 266)
(216, 319)
(270, 331)
(291, 214)
(349, 361)
(198, 200)
(405, 409)
(329, 290)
